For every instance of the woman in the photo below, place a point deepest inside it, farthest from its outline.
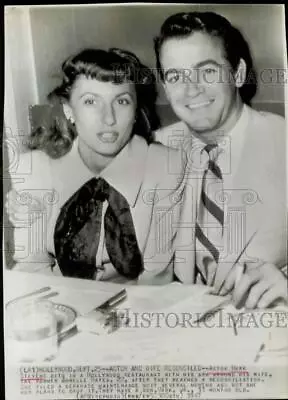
(100, 199)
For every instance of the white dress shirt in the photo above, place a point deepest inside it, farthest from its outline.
(252, 160)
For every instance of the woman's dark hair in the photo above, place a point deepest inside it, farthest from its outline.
(183, 24)
(114, 65)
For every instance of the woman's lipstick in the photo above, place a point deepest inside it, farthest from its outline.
(108, 137)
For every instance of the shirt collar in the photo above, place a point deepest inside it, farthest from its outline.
(125, 172)
(230, 148)
(230, 145)
(235, 132)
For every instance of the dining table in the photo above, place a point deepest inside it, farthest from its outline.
(210, 340)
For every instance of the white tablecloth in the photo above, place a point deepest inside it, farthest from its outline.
(136, 344)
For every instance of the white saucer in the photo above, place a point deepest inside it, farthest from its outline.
(66, 317)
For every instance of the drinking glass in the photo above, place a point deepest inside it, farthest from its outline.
(31, 330)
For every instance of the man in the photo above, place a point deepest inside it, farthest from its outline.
(233, 227)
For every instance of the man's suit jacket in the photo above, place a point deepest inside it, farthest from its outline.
(255, 193)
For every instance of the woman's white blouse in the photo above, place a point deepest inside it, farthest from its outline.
(149, 177)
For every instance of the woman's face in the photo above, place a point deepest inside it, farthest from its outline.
(104, 114)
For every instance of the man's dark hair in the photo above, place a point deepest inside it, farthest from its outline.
(182, 25)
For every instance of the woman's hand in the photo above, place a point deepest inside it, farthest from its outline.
(259, 286)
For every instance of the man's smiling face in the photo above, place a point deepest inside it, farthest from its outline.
(199, 82)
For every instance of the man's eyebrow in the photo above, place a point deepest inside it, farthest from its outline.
(205, 62)
(197, 65)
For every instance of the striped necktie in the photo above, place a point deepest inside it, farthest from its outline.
(210, 218)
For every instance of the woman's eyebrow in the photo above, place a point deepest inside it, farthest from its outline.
(99, 95)
(124, 94)
(90, 94)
